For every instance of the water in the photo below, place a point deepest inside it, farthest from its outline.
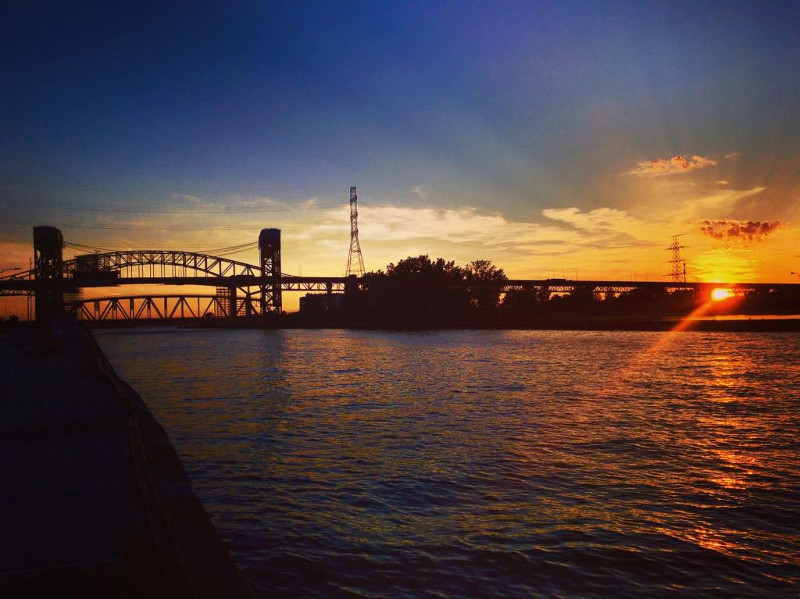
(488, 464)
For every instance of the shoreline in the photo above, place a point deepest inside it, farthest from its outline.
(89, 464)
(756, 325)
(753, 324)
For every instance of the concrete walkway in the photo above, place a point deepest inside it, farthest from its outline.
(93, 499)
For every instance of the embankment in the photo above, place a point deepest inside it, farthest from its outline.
(96, 501)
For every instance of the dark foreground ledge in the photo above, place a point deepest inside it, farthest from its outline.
(95, 502)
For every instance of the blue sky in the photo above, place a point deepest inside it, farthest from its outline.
(513, 131)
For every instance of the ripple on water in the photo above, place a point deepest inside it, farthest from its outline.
(472, 464)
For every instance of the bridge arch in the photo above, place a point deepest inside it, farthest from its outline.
(154, 263)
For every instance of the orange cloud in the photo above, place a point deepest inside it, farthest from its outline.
(672, 166)
(737, 230)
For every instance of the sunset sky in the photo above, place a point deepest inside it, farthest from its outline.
(553, 138)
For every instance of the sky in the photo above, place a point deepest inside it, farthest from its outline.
(552, 138)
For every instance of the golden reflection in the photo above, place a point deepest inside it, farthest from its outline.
(713, 300)
(726, 459)
(744, 464)
(713, 539)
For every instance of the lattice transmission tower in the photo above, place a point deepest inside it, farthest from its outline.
(678, 270)
(355, 261)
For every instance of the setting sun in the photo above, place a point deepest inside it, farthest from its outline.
(721, 293)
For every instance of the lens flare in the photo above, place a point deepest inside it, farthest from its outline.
(721, 293)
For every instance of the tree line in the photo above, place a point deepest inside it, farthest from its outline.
(421, 290)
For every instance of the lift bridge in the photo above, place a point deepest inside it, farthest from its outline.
(240, 289)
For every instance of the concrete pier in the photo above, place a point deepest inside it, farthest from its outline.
(94, 501)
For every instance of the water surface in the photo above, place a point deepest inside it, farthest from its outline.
(487, 463)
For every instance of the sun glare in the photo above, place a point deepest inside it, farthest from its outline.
(721, 293)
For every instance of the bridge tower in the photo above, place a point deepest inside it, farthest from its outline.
(48, 245)
(355, 261)
(269, 245)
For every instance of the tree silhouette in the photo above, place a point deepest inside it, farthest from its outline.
(419, 289)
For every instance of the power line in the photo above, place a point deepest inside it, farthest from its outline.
(138, 210)
(167, 228)
(220, 252)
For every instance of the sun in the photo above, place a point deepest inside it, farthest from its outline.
(721, 293)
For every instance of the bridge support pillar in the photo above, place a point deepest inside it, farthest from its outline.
(269, 245)
(350, 295)
(232, 302)
(48, 245)
(329, 296)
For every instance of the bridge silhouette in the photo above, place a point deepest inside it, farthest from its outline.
(241, 289)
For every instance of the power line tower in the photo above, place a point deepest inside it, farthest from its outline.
(355, 261)
(678, 270)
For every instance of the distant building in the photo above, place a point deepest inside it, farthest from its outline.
(321, 303)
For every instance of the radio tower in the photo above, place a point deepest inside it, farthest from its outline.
(355, 261)
(678, 270)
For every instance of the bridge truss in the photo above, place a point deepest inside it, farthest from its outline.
(241, 289)
(149, 307)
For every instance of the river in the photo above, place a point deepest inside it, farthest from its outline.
(487, 463)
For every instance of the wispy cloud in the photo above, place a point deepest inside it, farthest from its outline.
(600, 219)
(736, 230)
(671, 166)
(419, 191)
(185, 197)
(462, 225)
(681, 204)
(253, 201)
(523, 248)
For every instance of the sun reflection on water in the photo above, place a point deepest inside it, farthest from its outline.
(529, 457)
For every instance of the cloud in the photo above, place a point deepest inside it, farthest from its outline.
(419, 191)
(252, 201)
(672, 166)
(732, 156)
(187, 198)
(677, 206)
(523, 248)
(462, 225)
(745, 231)
(600, 219)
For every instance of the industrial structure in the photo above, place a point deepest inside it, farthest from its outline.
(242, 289)
(247, 290)
(269, 247)
(48, 247)
(355, 261)
(678, 264)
